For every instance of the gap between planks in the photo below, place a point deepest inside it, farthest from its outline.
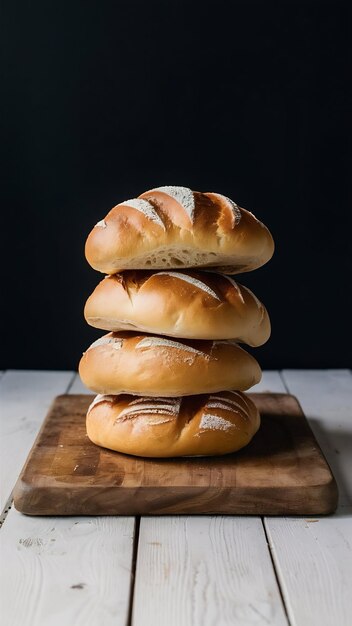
(133, 568)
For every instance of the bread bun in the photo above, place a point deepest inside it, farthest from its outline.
(168, 427)
(156, 366)
(174, 227)
(189, 304)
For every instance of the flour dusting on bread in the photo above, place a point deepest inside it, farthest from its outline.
(234, 208)
(145, 207)
(183, 195)
(101, 224)
(150, 342)
(100, 398)
(147, 409)
(116, 341)
(146, 399)
(236, 286)
(192, 281)
(220, 405)
(214, 422)
(230, 403)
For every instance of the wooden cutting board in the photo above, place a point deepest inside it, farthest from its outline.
(282, 471)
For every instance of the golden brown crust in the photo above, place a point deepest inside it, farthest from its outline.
(142, 364)
(167, 427)
(189, 304)
(173, 227)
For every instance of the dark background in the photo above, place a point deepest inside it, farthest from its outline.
(103, 100)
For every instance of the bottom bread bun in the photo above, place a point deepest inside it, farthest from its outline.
(203, 425)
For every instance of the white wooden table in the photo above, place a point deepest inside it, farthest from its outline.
(184, 571)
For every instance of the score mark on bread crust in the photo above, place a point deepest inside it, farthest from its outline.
(145, 207)
(192, 281)
(183, 195)
(150, 342)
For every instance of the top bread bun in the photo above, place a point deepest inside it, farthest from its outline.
(175, 227)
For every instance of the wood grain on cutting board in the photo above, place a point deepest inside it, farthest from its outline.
(282, 471)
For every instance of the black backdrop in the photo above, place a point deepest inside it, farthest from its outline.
(104, 100)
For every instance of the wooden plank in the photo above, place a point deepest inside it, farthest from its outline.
(313, 559)
(65, 570)
(326, 398)
(281, 471)
(25, 397)
(202, 571)
(313, 556)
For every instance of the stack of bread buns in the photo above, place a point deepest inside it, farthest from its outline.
(170, 374)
